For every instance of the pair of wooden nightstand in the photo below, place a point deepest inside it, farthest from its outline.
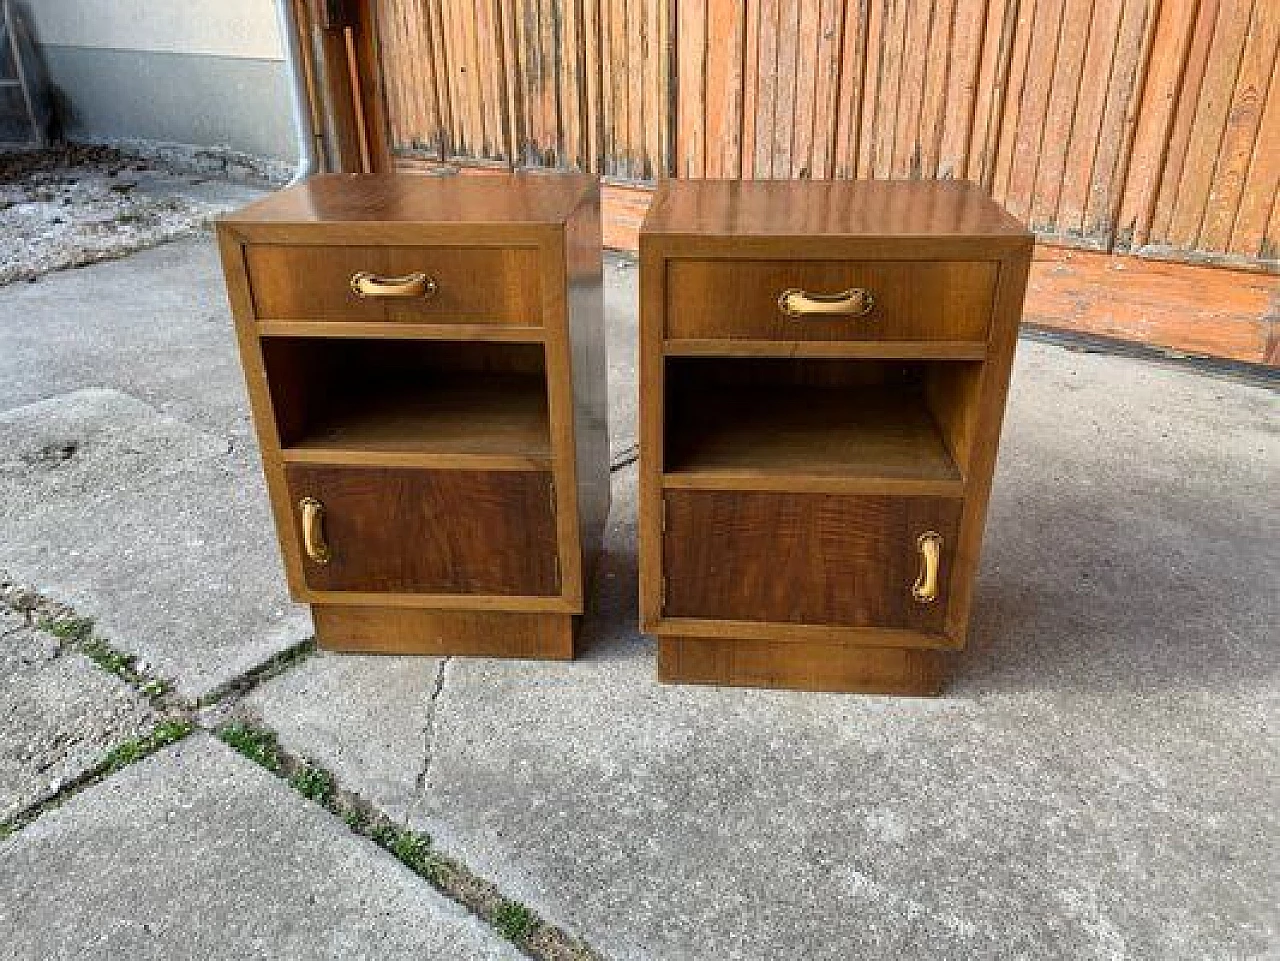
(823, 374)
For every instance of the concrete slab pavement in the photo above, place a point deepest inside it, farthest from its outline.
(154, 325)
(59, 715)
(368, 717)
(198, 853)
(1095, 784)
(153, 528)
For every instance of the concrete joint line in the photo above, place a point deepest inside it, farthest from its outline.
(75, 632)
(166, 731)
(535, 937)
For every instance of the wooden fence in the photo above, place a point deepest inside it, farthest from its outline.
(1150, 126)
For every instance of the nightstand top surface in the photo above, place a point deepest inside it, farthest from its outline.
(827, 208)
(498, 199)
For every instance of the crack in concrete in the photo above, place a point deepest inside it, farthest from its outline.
(429, 728)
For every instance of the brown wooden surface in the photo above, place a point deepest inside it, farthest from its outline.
(805, 666)
(753, 432)
(803, 558)
(380, 630)
(781, 497)
(499, 419)
(474, 285)
(921, 300)
(382, 200)
(472, 459)
(431, 531)
(826, 209)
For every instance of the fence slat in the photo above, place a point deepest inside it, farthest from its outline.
(1130, 124)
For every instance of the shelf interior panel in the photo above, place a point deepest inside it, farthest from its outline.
(813, 431)
(493, 416)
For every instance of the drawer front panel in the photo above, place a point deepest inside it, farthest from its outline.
(473, 285)
(911, 300)
(428, 531)
(842, 560)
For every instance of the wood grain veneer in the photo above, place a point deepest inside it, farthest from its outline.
(790, 468)
(457, 443)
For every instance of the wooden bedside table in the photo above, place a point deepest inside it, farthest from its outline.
(425, 364)
(823, 370)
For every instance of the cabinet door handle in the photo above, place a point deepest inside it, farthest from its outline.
(798, 304)
(365, 284)
(925, 588)
(313, 541)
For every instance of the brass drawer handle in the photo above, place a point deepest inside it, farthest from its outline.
(313, 541)
(925, 588)
(854, 302)
(365, 284)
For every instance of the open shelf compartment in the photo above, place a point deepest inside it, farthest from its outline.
(885, 424)
(375, 401)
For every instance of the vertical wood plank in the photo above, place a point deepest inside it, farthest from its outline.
(766, 87)
(1060, 115)
(806, 46)
(750, 86)
(1010, 109)
(1248, 237)
(990, 95)
(1155, 128)
(826, 89)
(658, 72)
(873, 75)
(1034, 106)
(444, 89)
(784, 108)
(960, 99)
(635, 89)
(1086, 125)
(918, 21)
(1240, 136)
(621, 159)
(884, 132)
(1180, 136)
(694, 107)
(552, 146)
(571, 94)
(512, 89)
(1210, 121)
(853, 57)
(593, 108)
(941, 58)
(725, 78)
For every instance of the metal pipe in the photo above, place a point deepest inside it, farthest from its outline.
(299, 96)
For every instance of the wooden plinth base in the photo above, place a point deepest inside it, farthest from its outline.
(801, 665)
(407, 630)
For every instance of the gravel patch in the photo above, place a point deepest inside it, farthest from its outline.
(81, 203)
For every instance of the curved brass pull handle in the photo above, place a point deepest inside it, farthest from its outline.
(365, 284)
(925, 588)
(313, 541)
(854, 302)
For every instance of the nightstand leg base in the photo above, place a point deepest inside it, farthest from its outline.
(409, 630)
(801, 665)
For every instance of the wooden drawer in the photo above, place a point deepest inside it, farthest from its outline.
(830, 559)
(473, 285)
(429, 531)
(913, 300)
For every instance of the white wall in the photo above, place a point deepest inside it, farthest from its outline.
(223, 28)
(207, 73)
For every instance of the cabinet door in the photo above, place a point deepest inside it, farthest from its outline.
(425, 531)
(844, 560)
